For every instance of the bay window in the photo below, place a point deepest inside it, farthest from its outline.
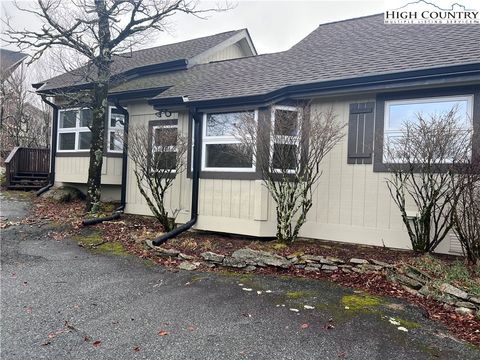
(73, 131)
(222, 149)
(285, 139)
(115, 131)
(398, 113)
(164, 147)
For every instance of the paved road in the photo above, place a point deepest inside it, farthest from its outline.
(57, 288)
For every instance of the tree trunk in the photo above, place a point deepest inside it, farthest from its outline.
(99, 109)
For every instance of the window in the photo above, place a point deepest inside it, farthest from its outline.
(399, 112)
(222, 150)
(115, 131)
(73, 131)
(285, 140)
(164, 147)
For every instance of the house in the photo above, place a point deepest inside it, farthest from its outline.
(9, 62)
(361, 67)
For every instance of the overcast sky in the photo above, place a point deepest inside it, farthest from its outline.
(274, 25)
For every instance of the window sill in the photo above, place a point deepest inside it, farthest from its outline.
(84, 154)
(388, 168)
(227, 175)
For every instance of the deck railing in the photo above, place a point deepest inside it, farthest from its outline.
(23, 160)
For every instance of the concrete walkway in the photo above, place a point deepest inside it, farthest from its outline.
(58, 301)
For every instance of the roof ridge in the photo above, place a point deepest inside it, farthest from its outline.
(242, 58)
(349, 19)
(180, 42)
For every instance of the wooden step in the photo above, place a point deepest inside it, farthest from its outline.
(24, 187)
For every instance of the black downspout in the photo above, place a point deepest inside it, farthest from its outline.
(123, 190)
(197, 145)
(53, 150)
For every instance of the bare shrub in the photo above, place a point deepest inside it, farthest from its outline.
(466, 213)
(288, 151)
(158, 156)
(424, 161)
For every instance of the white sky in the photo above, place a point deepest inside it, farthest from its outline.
(274, 25)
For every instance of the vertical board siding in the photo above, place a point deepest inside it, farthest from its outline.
(75, 170)
(140, 115)
(351, 202)
(231, 52)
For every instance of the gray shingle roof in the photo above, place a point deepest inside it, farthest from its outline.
(339, 50)
(136, 59)
(9, 58)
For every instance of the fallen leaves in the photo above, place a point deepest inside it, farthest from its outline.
(132, 230)
(329, 325)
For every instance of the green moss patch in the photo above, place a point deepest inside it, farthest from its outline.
(90, 240)
(360, 302)
(16, 195)
(408, 324)
(295, 295)
(111, 248)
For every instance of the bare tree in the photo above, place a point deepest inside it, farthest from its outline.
(424, 162)
(97, 30)
(466, 210)
(22, 121)
(158, 155)
(288, 146)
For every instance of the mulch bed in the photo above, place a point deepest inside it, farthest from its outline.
(132, 230)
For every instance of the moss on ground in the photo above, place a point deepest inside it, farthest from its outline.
(17, 195)
(407, 324)
(90, 240)
(295, 295)
(361, 302)
(111, 248)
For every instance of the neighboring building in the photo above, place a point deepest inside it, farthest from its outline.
(360, 67)
(9, 61)
(21, 122)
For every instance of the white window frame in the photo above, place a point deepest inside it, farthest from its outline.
(166, 149)
(115, 129)
(75, 130)
(230, 139)
(285, 139)
(387, 132)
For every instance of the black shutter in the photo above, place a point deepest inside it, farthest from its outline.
(360, 133)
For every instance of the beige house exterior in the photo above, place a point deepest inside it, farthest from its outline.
(351, 202)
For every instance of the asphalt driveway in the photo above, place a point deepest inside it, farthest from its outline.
(60, 301)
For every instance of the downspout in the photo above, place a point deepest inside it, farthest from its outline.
(197, 145)
(53, 150)
(123, 190)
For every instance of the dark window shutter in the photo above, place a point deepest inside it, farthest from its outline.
(360, 133)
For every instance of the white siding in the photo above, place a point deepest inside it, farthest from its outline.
(74, 169)
(351, 204)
